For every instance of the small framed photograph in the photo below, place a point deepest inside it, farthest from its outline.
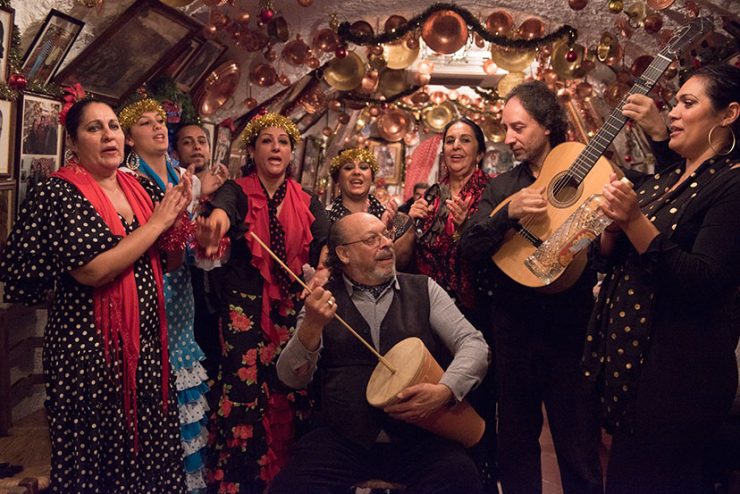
(7, 211)
(6, 40)
(210, 129)
(197, 66)
(51, 44)
(222, 149)
(6, 138)
(39, 141)
(311, 162)
(390, 160)
(132, 50)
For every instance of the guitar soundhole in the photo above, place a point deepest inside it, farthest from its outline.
(564, 190)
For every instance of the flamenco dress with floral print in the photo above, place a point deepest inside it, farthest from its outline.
(258, 417)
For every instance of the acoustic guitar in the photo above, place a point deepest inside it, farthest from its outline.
(572, 172)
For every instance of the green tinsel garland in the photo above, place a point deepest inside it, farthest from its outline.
(15, 62)
(346, 34)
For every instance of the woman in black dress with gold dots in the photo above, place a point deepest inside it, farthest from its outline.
(661, 338)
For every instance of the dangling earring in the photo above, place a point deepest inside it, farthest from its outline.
(711, 144)
(70, 157)
(132, 160)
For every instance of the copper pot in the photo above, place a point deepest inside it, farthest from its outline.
(263, 75)
(345, 73)
(659, 4)
(640, 64)
(296, 52)
(391, 82)
(325, 41)
(393, 124)
(445, 32)
(531, 28)
(278, 30)
(500, 22)
(361, 28)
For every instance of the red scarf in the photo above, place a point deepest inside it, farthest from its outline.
(116, 305)
(296, 220)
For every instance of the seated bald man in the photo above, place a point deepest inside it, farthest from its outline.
(353, 441)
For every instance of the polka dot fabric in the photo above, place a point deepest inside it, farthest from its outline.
(92, 448)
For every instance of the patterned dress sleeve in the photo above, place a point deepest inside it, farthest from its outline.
(319, 228)
(57, 231)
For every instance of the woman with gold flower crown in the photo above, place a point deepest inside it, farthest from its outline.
(257, 417)
(144, 124)
(354, 170)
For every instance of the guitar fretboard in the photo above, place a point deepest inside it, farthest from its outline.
(613, 125)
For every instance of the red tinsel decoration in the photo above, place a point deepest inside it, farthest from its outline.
(179, 235)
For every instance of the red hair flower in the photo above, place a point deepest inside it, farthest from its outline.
(72, 94)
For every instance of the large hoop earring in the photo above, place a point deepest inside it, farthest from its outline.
(132, 160)
(711, 144)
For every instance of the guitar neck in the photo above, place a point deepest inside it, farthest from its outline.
(613, 125)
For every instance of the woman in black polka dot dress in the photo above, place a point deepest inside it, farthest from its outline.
(662, 336)
(88, 233)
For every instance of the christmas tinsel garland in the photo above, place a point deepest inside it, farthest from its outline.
(346, 35)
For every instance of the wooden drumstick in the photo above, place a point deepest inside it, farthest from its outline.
(336, 316)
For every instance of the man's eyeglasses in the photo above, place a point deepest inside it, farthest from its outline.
(373, 240)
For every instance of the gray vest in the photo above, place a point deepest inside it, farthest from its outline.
(345, 365)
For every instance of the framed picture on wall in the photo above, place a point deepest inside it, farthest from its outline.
(210, 129)
(390, 160)
(222, 148)
(311, 161)
(7, 210)
(6, 138)
(184, 57)
(51, 44)
(39, 141)
(6, 40)
(135, 48)
(197, 66)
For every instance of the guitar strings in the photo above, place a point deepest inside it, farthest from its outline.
(581, 165)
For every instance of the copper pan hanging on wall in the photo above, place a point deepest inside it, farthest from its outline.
(438, 116)
(511, 59)
(445, 32)
(391, 82)
(219, 87)
(345, 73)
(560, 64)
(393, 124)
(399, 56)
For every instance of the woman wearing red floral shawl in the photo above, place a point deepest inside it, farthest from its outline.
(437, 254)
(89, 233)
(257, 416)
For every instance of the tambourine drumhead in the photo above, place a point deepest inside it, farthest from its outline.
(412, 360)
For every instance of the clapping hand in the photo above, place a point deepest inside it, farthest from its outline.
(458, 208)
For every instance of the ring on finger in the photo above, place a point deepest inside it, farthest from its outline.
(330, 303)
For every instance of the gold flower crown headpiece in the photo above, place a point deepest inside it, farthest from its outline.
(133, 111)
(261, 122)
(361, 155)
